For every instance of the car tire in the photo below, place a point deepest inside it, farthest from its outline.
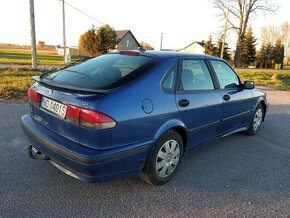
(256, 121)
(163, 159)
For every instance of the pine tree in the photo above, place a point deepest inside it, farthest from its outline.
(266, 56)
(278, 51)
(248, 51)
(98, 41)
(260, 56)
(219, 44)
(87, 42)
(106, 39)
(209, 47)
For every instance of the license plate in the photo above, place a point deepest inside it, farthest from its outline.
(54, 106)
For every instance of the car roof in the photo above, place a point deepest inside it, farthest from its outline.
(171, 54)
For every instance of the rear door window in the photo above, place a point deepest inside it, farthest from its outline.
(104, 72)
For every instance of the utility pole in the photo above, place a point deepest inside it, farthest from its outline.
(225, 31)
(32, 35)
(161, 41)
(63, 31)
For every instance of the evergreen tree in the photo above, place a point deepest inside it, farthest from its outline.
(248, 51)
(278, 51)
(218, 50)
(98, 41)
(87, 41)
(260, 56)
(209, 47)
(106, 39)
(266, 56)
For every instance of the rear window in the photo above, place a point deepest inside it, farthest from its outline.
(104, 72)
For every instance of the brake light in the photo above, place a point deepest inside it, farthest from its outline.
(33, 97)
(130, 53)
(88, 118)
(72, 114)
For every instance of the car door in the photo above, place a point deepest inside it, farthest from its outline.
(237, 102)
(198, 101)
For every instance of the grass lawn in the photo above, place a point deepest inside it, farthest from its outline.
(278, 79)
(23, 56)
(14, 83)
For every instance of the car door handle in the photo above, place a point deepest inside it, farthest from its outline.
(183, 103)
(226, 97)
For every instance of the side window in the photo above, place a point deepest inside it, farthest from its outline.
(226, 76)
(168, 82)
(195, 76)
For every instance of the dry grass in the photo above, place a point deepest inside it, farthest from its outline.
(14, 83)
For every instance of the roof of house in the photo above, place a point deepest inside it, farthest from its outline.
(122, 33)
(202, 43)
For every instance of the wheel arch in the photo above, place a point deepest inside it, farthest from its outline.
(177, 126)
(264, 104)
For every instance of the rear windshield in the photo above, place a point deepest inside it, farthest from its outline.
(104, 72)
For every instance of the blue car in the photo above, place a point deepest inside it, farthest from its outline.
(136, 113)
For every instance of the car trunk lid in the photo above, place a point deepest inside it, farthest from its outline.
(54, 106)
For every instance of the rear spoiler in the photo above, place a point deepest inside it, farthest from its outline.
(39, 79)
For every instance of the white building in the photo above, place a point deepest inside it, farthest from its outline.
(195, 47)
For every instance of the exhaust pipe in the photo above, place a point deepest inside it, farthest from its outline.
(35, 154)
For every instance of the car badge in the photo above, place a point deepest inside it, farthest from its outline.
(50, 92)
(85, 103)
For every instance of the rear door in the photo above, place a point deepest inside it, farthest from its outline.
(237, 102)
(198, 100)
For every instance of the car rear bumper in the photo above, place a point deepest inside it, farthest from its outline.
(84, 163)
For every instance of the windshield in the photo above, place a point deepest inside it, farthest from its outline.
(103, 72)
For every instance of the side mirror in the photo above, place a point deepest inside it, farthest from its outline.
(249, 85)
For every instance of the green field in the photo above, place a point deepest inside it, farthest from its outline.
(278, 79)
(23, 57)
(14, 83)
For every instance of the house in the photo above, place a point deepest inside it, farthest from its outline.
(195, 47)
(72, 51)
(60, 50)
(126, 40)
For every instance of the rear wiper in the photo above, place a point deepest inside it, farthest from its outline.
(69, 65)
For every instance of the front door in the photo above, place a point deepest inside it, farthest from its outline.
(237, 102)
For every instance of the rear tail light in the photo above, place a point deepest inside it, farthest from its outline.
(33, 97)
(89, 118)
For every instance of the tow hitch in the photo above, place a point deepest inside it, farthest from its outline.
(35, 154)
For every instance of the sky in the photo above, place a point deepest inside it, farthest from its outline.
(181, 22)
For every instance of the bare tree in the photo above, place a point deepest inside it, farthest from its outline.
(240, 12)
(271, 34)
